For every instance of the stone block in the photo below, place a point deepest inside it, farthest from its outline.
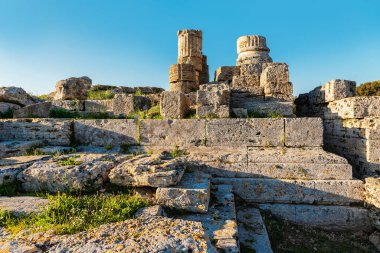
(248, 79)
(268, 108)
(183, 78)
(333, 218)
(105, 105)
(25, 205)
(372, 191)
(338, 89)
(72, 88)
(354, 108)
(192, 194)
(245, 132)
(239, 112)
(174, 105)
(150, 211)
(274, 73)
(331, 192)
(125, 104)
(213, 100)
(39, 110)
(224, 74)
(55, 132)
(303, 132)
(103, 132)
(5, 107)
(16, 95)
(171, 133)
(373, 150)
(70, 105)
(149, 171)
(210, 111)
(15, 148)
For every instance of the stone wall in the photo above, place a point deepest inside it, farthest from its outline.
(255, 132)
(351, 124)
(50, 131)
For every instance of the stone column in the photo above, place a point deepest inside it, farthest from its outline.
(252, 49)
(190, 48)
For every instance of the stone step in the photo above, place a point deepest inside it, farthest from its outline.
(329, 192)
(191, 194)
(334, 218)
(16, 148)
(23, 205)
(220, 221)
(282, 163)
(253, 234)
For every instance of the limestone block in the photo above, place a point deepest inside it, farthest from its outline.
(285, 88)
(372, 191)
(56, 132)
(39, 110)
(204, 76)
(213, 99)
(210, 111)
(244, 100)
(274, 73)
(125, 104)
(192, 194)
(16, 148)
(333, 218)
(245, 132)
(105, 105)
(8, 173)
(24, 205)
(268, 108)
(303, 132)
(70, 105)
(72, 88)
(182, 72)
(338, 89)
(4, 107)
(103, 132)
(373, 150)
(90, 174)
(248, 79)
(239, 112)
(148, 171)
(224, 74)
(354, 107)
(174, 105)
(16, 95)
(332, 192)
(170, 133)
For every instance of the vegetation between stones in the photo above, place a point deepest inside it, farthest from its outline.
(68, 214)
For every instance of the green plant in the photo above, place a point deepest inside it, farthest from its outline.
(154, 113)
(100, 94)
(369, 89)
(176, 152)
(33, 150)
(67, 214)
(9, 189)
(63, 113)
(69, 162)
(108, 147)
(138, 92)
(44, 97)
(7, 114)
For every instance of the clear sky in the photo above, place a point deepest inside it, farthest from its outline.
(134, 42)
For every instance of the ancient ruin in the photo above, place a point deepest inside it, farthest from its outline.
(213, 159)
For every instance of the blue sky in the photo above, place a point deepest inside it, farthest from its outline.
(134, 42)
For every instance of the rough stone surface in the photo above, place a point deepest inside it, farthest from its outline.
(374, 238)
(252, 231)
(150, 235)
(22, 205)
(90, 174)
(303, 132)
(16, 95)
(174, 105)
(14, 148)
(150, 171)
(220, 221)
(191, 194)
(147, 212)
(336, 218)
(338, 89)
(332, 192)
(105, 105)
(171, 133)
(247, 79)
(8, 173)
(39, 110)
(125, 104)
(72, 88)
(182, 78)
(54, 150)
(245, 132)
(4, 107)
(106, 132)
(224, 74)
(372, 191)
(50, 131)
(213, 99)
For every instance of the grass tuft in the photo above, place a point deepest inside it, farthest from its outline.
(100, 94)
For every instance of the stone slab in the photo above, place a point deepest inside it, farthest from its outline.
(253, 234)
(220, 221)
(304, 132)
(15, 148)
(245, 132)
(103, 132)
(22, 205)
(56, 132)
(335, 218)
(191, 194)
(332, 192)
(171, 133)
